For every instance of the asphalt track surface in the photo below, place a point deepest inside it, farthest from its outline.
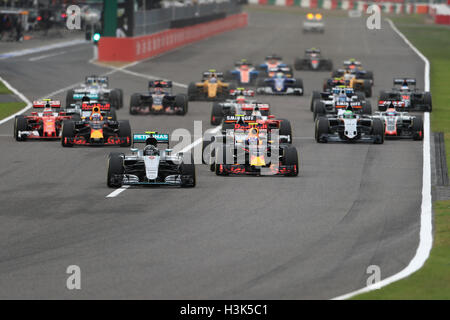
(313, 236)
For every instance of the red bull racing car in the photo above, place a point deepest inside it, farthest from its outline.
(96, 130)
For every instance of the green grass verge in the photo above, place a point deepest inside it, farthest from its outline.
(3, 89)
(9, 108)
(432, 281)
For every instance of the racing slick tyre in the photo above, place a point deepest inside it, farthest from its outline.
(417, 128)
(69, 97)
(125, 131)
(427, 101)
(188, 170)
(360, 95)
(223, 155)
(367, 88)
(291, 159)
(315, 96)
(319, 109)
(285, 130)
(378, 131)
(181, 101)
(75, 117)
(68, 131)
(192, 92)
(216, 114)
(299, 63)
(369, 75)
(113, 114)
(299, 84)
(20, 124)
(114, 96)
(366, 107)
(115, 167)
(135, 101)
(120, 91)
(322, 127)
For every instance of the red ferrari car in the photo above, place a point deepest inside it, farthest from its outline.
(45, 121)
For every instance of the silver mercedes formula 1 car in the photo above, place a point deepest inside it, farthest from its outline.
(151, 165)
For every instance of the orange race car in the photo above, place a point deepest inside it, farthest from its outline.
(211, 87)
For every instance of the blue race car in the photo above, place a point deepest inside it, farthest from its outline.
(280, 84)
(244, 73)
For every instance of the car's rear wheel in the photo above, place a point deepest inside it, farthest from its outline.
(216, 114)
(299, 84)
(319, 109)
(114, 97)
(115, 169)
(322, 128)
(315, 96)
(68, 131)
(69, 97)
(367, 88)
(291, 159)
(20, 124)
(367, 107)
(378, 131)
(125, 132)
(417, 128)
(181, 101)
(135, 101)
(188, 170)
(286, 129)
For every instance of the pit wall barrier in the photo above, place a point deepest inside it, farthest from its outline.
(388, 6)
(143, 47)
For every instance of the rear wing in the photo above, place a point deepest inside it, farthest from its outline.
(312, 50)
(90, 106)
(208, 73)
(243, 63)
(98, 79)
(274, 57)
(352, 63)
(159, 84)
(285, 70)
(242, 92)
(159, 137)
(404, 81)
(47, 103)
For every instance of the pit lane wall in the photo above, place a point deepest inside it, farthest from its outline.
(391, 6)
(143, 47)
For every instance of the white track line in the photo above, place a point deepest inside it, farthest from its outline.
(426, 216)
(41, 49)
(47, 56)
(116, 192)
(21, 96)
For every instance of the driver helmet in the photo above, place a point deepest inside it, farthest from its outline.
(96, 117)
(159, 90)
(240, 99)
(279, 75)
(391, 112)
(348, 114)
(347, 76)
(404, 87)
(47, 112)
(213, 79)
(151, 150)
(342, 98)
(256, 113)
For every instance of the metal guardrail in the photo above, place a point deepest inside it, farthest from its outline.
(151, 21)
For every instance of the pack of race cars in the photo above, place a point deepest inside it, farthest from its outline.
(251, 140)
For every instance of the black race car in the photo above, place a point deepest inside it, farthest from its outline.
(405, 91)
(159, 100)
(314, 61)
